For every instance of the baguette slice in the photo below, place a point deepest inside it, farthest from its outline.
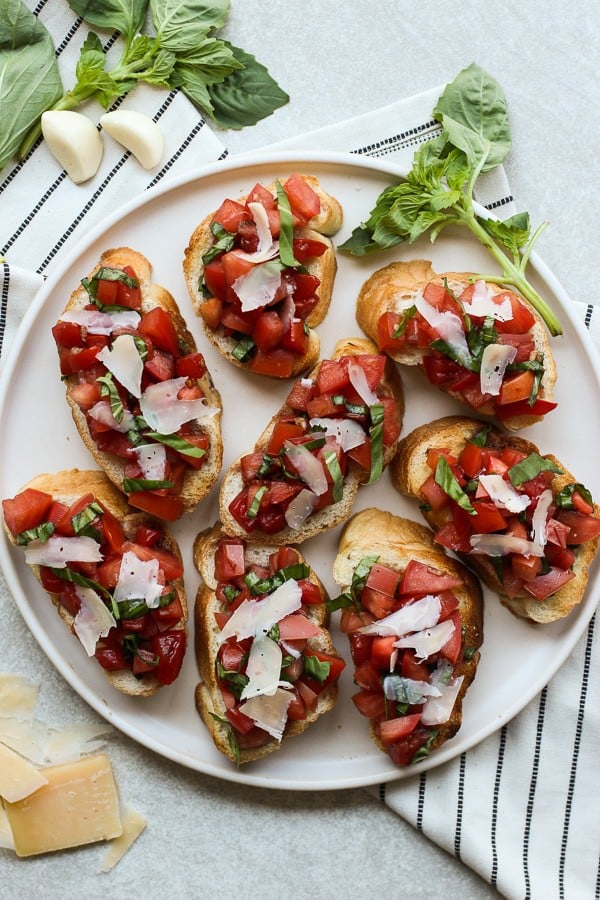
(327, 222)
(334, 514)
(197, 482)
(410, 471)
(209, 698)
(396, 542)
(69, 486)
(394, 288)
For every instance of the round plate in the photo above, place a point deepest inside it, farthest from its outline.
(38, 435)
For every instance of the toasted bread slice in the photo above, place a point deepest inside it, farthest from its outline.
(410, 471)
(394, 288)
(396, 542)
(197, 482)
(331, 515)
(209, 698)
(327, 222)
(69, 486)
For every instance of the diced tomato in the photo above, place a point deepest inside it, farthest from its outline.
(234, 267)
(487, 517)
(271, 519)
(108, 571)
(452, 648)
(261, 194)
(296, 710)
(581, 528)
(383, 579)
(526, 567)
(170, 564)
(277, 363)
(168, 507)
(211, 311)
(581, 505)
(69, 599)
(368, 676)
(453, 538)
(85, 395)
(268, 330)
(562, 557)
(516, 387)
(402, 752)
(192, 365)
(432, 494)
(112, 530)
(311, 592)
(283, 431)
(170, 649)
(336, 665)
(300, 395)
(361, 455)
(231, 656)
(297, 627)
(50, 581)
(106, 292)
(280, 493)
(303, 200)
(161, 366)
(524, 408)
(440, 369)
(67, 334)
(381, 651)
(410, 667)
(352, 619)
(370, 704)
(392, 730)
(372, 364)
(471, 459)
(544, 586)
(387, 325)
(437, 296)
(158, 325)
(111, 658)
(332, 377)
(377, 603)
(242, 723)
(392, 423)
(75, 360)
(307, 248)
(239, 508)
(310, 697)
(229, 559)
(129, 296)
(296, 338)
(522, 318)
(419, 578)
(26, 510)
(230, 215)
(321, 407)
(113, 442)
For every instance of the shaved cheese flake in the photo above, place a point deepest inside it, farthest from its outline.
(18, 778)
(93, 621)
(438, 710)
(482, 304)
(263, 668)
(71, 742)
(348, 433)
(256, 617)
(494, 360)
(133, 825)
(58, 551)
(287, 312)
(138, 580)
(96, 322)
(503, 494)
(101, 412)
(358, 380)
(423, 613)
(125, 363)
(306, 382)
(153, 460)
(448, 325)
(257, 288)
(6, 838)
(540, 518)
(28, 737)
(165, 413)
(309, 468)
(428, 641)
(18, 696)
(269, 712)
(300, 508)
(503, 544)
(267, 247)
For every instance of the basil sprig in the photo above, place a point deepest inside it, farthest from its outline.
(40, 533)
(316, 669)
(376, 435)
(108, 389)
(480, 438)
(84, 519)
(177, 443)
(564, 498)
(331, 461)
(286, 233)
(244, 349)
(530, 467)
(132, 485)
(446, 479)
(295, 572)
(255, 505)
(224, 241)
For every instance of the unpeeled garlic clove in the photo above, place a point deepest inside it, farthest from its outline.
(137, 133)
(74, 141)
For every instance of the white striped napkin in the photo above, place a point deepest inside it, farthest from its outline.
(521, 808)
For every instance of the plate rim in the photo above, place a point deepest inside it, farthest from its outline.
(238, 774)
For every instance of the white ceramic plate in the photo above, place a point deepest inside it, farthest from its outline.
(38, 435)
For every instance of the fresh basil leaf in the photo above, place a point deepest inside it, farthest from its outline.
(407, 315)
(265, 466)
(231, 738)
(40, 533)
(286, 233)
(457, 356)
(339, 602)
(331, 461)
(132, 609)
(107, 273)
(274, 632)
(512, 233)
(223, 242)
(177, 443)
(88, 515)
(474, 102)
(444, 476)
(361, 574)
(230, 592)
(564, 498)
(182, 25)
(126, 16)
(361, 243)
(530, 467)
(212, 59)
(131, 485)
(424, 751)
(469, 653)
(193, 84)
(247, 95)
(480, 439)
(29, 78)
(236, 681)
(315, 668)
(70, 575)
(244, 349)
(255, 505)
(376, 434)
(108, 389)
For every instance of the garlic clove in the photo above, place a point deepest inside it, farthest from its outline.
(74, 141)
(137, 133)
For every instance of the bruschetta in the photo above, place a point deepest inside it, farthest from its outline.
(414, 620)
(516, 517)
(140, 393)
(113, 573)
(480, 343)
(338, 429)
(260, 273)
(267, 662)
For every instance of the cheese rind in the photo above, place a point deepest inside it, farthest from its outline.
(78, 805)
(18, 778)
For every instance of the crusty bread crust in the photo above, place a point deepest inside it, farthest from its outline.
(68, 486)
(197, 482)
(410, 470)
(330, 516)
(392, 289)
(209, 700)
(396, 541)
(327, 222)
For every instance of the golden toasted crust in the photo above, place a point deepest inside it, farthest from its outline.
(67, 487)
(327, 222)
(197, 482)
(330, 516)
(396, 541)
(410, 470)
(392, 289)
(209, 700)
